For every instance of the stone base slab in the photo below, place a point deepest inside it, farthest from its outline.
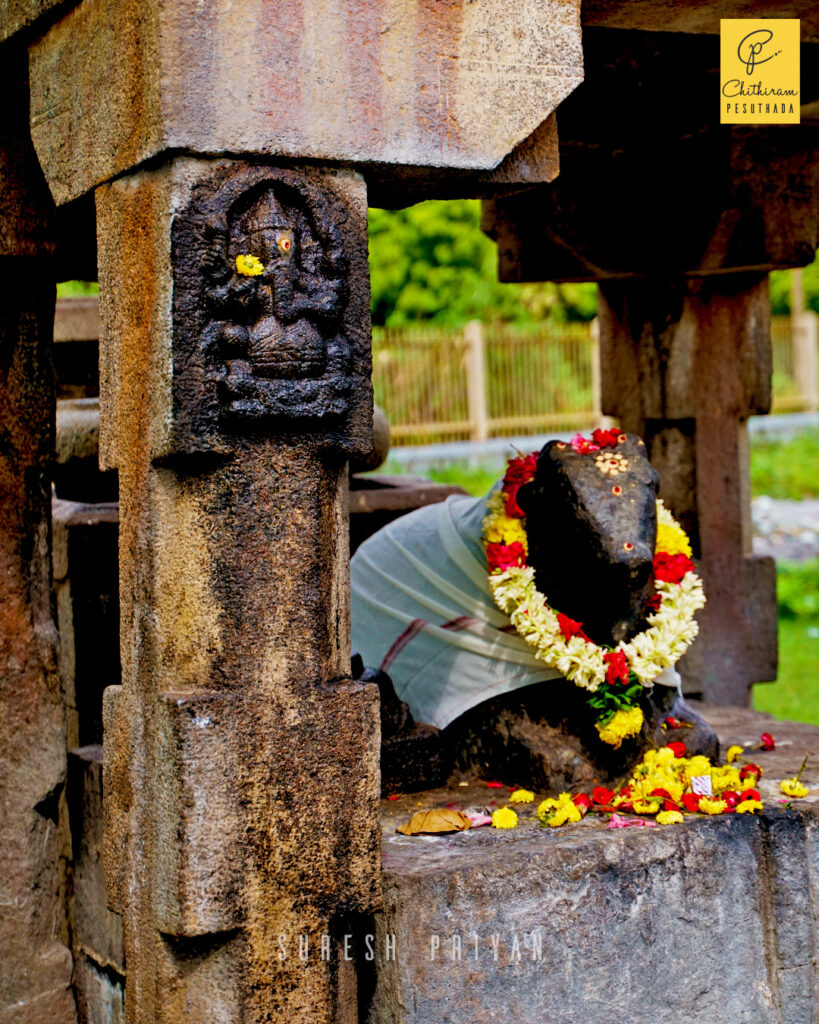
(711, 920)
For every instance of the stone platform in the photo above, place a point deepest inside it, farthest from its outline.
(705, 922)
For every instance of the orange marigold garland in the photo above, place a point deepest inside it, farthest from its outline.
(615, 676)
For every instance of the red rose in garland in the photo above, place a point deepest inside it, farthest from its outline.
(502, 556)
(520, 471)
(671, 568)
(617, 671)
(569, 627)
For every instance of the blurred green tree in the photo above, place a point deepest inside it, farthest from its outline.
(431, 263)
(781, 289)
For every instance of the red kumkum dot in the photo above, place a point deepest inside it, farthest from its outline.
(617, 490)
(628, 545)
(622, 438)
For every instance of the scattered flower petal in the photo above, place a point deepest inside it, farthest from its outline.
(522, 796)
(733, 753)
(617, 821)
(767, 741)
(479, 820)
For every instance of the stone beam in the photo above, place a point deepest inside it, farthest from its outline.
(35, 963)
(240, 759)
(694, 16)
(376, 82)
(651, 185)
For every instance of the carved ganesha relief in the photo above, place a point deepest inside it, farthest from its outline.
(276, 288)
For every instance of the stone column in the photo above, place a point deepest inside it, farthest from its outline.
(685, 363)
(241, 761)
(35, 964)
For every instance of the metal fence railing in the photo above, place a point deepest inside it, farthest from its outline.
(499, 381)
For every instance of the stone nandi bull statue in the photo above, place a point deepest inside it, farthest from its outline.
(536, 629)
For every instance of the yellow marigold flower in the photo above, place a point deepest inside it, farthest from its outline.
(622, 725)
(709, 806)
(249, 266)
(725, 778)
(506, 530)
(672, 540)
(748, 806)
(504, 817)
(697, 766)
(558, 818)
(522, 796)
(733, 753)
(669, 818)
(793, 787)
(556, 812)
(567, 812)
(647, 806)
(664, 756)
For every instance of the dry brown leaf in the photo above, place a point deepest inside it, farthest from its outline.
(440, 819)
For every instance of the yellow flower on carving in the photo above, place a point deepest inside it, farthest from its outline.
(504, 817)
(249, 266)
(672, 540)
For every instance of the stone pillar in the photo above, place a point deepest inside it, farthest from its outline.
(685, 363)
(241, 760)
(35, 964)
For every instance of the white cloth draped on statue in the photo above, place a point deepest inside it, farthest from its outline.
(422, 611)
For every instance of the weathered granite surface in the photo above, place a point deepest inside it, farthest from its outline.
(708, 921)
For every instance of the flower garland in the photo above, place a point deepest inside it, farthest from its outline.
(616, 676)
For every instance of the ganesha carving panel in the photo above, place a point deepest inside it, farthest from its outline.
(271, 308)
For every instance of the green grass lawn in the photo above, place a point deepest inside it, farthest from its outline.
(780, 469)
(795, 694)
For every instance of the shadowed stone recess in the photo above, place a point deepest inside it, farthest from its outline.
(35, 962)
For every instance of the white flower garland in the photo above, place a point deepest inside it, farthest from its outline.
(671, 629)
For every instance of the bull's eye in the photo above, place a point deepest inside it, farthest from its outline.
(617, 490)
(628, 546)
(284, 244)
(560, 444)
(622, 438)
